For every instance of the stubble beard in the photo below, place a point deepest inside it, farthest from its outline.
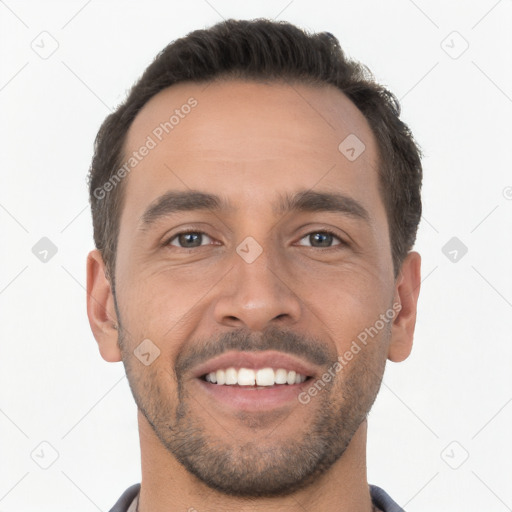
(258, 465)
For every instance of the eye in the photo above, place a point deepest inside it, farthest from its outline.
(189, 239)
(321, 239)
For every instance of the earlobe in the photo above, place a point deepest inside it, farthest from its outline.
(100, 308)
(407, 289)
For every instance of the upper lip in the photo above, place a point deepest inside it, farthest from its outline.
(255, 360)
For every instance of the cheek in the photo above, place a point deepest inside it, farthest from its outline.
(154, 388)
(349, 306)
(164, 304)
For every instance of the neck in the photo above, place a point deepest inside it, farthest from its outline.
(167, 486)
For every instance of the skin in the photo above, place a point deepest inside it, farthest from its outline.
(250, 143)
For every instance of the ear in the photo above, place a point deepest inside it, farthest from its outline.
(407, 290)
(100, 308)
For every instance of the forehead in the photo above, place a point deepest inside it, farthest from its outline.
(248, 141)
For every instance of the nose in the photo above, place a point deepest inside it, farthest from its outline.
(257, 294)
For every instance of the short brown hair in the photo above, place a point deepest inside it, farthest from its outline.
(271, 51)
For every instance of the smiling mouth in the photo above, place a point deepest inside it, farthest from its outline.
(256, 378)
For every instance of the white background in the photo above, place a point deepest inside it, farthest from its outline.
(457, 384)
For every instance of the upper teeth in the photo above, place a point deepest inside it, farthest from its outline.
(249, 377)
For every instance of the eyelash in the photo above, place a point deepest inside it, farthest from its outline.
(342, 243)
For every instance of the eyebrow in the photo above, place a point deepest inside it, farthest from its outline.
(306, 201)
(177, 201)
(310, 201)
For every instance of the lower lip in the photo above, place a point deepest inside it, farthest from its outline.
(252, 398)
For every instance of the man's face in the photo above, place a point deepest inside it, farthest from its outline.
(269, 274)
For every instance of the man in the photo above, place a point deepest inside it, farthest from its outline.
(255, 201)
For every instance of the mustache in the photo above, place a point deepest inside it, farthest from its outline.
(243, 340)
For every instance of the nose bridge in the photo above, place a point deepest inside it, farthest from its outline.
(258, 272)
(257, 292)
